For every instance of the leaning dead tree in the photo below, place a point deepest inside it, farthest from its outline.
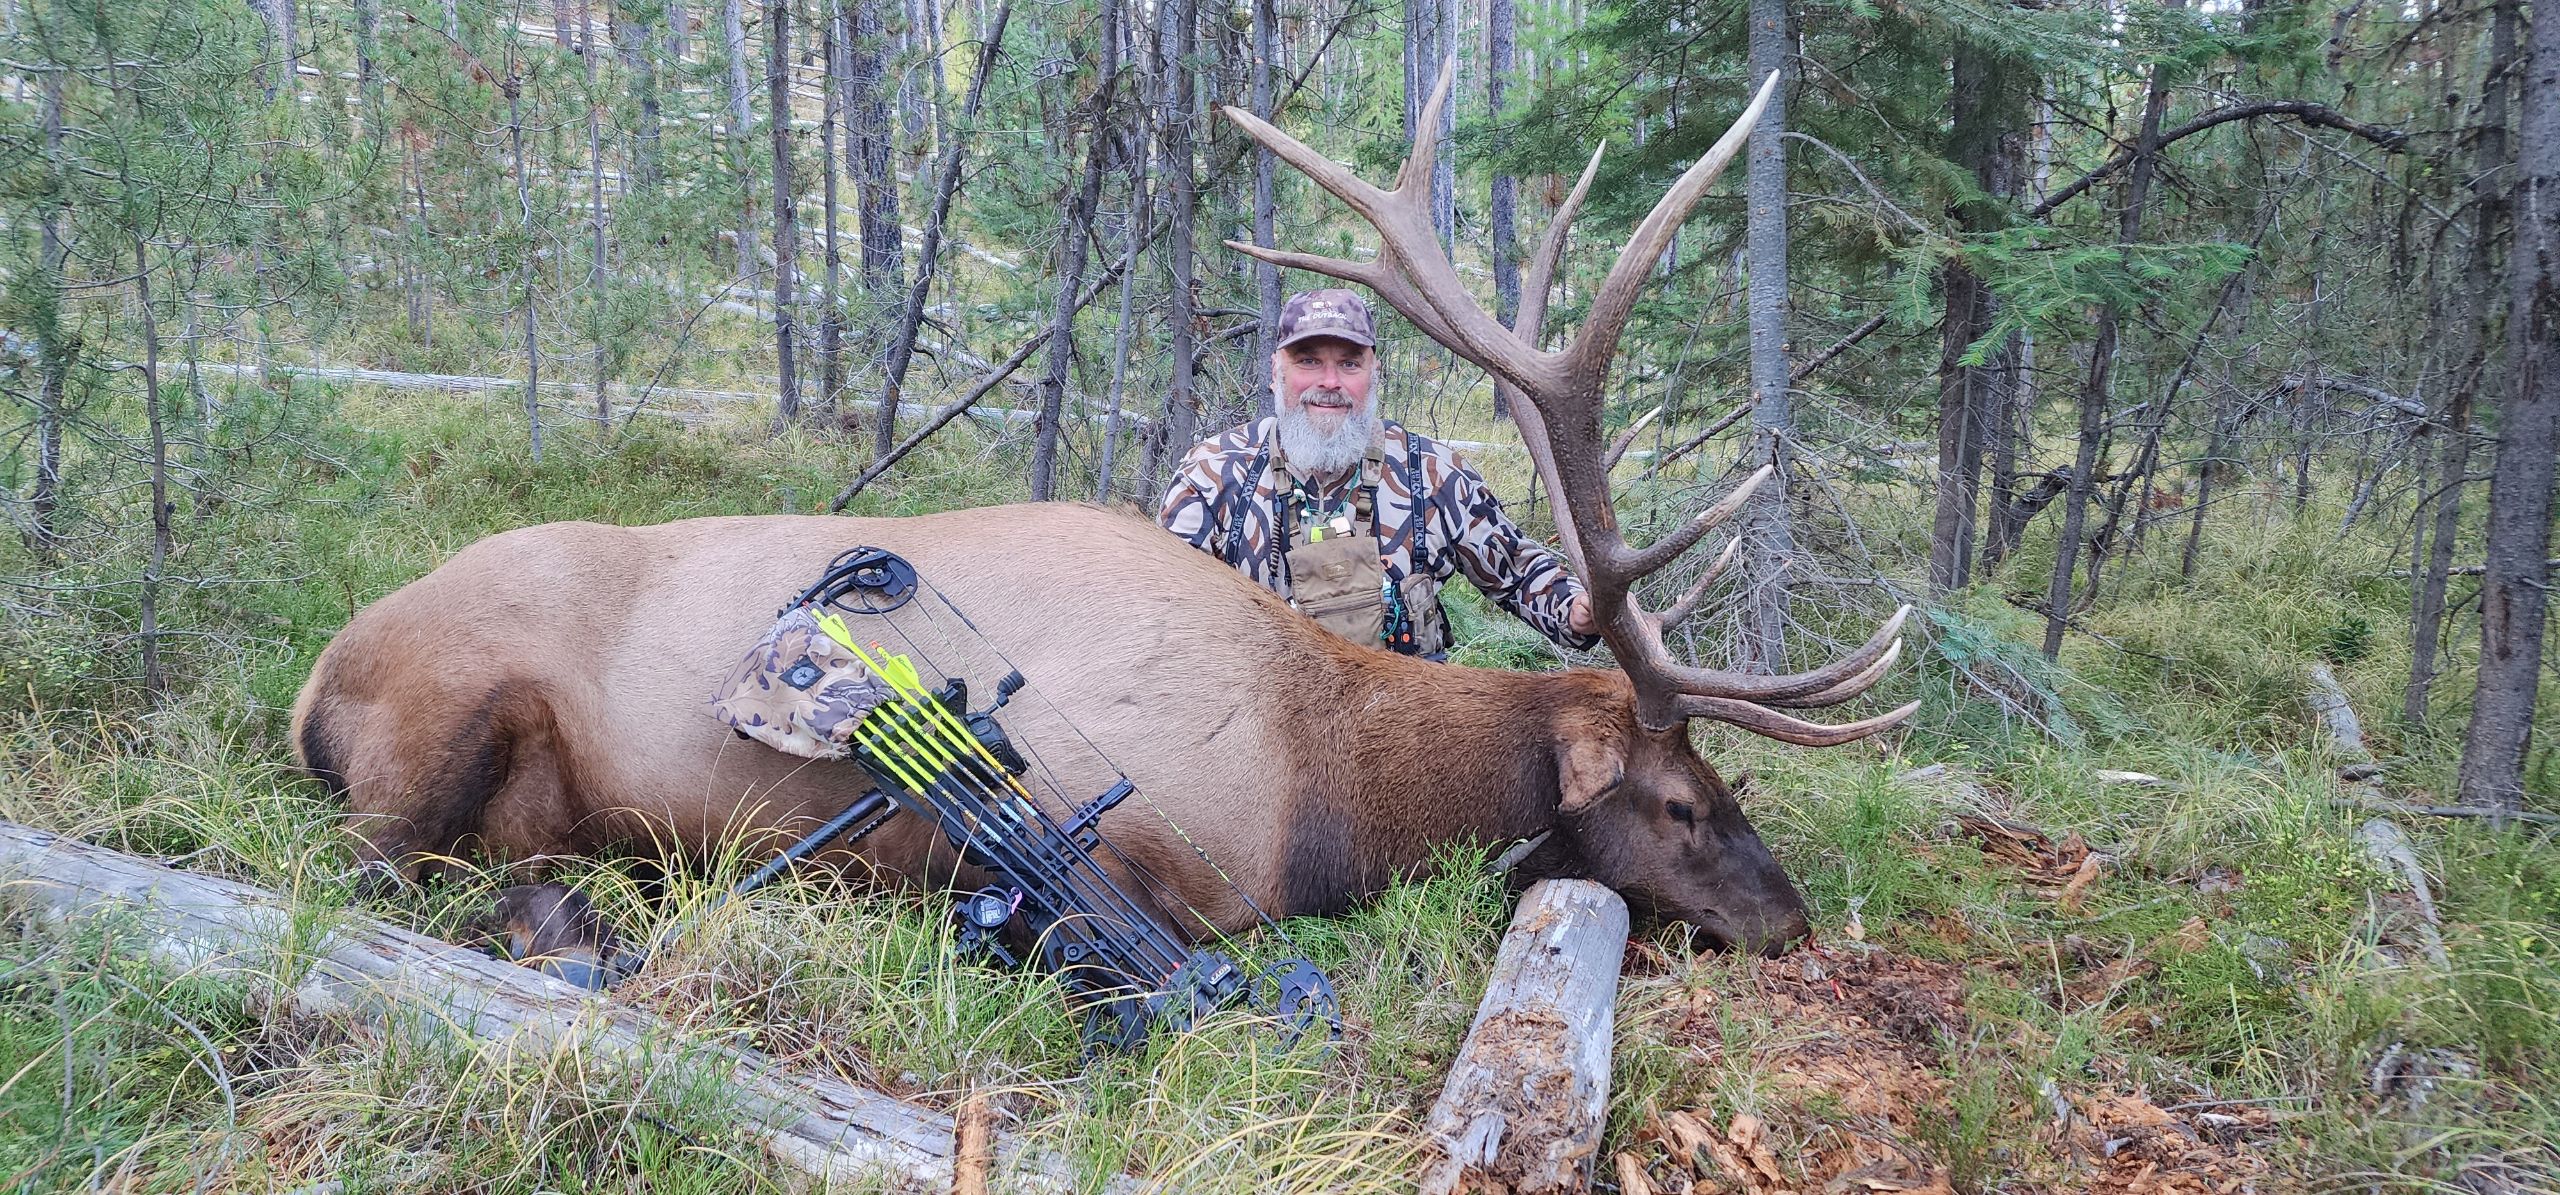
(820, 1128)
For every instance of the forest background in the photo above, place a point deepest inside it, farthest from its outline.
(2166, 355)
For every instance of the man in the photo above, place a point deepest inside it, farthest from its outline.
(1319, 503)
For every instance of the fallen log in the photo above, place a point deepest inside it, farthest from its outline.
(2360, 784)
(1529, 1093)
(820, 1127)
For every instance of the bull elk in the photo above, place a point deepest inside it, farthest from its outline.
(542, 692)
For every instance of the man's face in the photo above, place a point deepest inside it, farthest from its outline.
(1326, 379)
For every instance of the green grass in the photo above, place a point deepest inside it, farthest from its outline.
(2225, 953)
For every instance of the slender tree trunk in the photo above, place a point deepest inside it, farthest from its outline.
(1444, 177)
(2516, 584)
(679, 26)
(421, 323)
(1502, 212)
(1770, 540)
(831, 318)
(2489, 209)
(2208, 471)
(1075, 231)
(1265, 275)
(1969, 395)
(631, 39)
(902, 346)
(1180, 426)
(733, 31)
(155, 672)
(524, 268)
(2012, 396)
(1144, 138)
(280, 26)
(55, 353)
(869, 142)
(596, 266)
(368, 14)
(2102, 360)
(786, 212)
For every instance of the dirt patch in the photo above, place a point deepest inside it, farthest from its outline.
(1859, 1075)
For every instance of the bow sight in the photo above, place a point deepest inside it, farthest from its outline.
(928, 755)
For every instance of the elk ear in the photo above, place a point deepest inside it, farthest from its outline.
(1588, 769)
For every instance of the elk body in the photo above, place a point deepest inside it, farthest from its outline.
(544, 691)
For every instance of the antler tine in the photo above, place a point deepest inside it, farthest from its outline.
(1681, 682)
(1327, 173)
(1415, 177)
(1626, 439)
(1846, 689)
(1594, 347)
(1378, 276)
(1532, 316)
(1680, 610)
(1761, 720)
(1542, 264)
(1669, 547)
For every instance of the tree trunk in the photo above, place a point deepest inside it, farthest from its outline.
(902, 345)
(155, 671)
(2012, 396)
(1769, 538)
(733, 31)
(2515, 587)
(1444, 177)
(2102, 360)
(1180, 426)
(1143, 139)
(524, 267)
(597, 269)
(1502, 212)
(786, 212)
(1970, 397)
(831, 317)
(55, 353)
(870, 157)
(1266, 276)
(1075, 232)
(631, 40)
(2489, 209)
(368, 14)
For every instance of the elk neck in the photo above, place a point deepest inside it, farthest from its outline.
(1394, 756)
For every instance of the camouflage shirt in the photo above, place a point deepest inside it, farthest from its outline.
(1463, 528)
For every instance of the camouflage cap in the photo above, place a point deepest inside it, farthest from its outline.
(1339, 314)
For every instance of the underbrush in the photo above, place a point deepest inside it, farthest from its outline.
(1982, 996)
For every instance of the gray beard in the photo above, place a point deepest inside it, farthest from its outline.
(1313, 453)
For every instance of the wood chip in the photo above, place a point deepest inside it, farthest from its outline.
(2077, 888)
(1631, 1176)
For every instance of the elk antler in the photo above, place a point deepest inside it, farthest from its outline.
(1559, 419)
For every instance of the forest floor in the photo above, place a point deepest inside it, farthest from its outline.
(2101, 926)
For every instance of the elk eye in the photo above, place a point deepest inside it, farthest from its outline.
(1683, 811)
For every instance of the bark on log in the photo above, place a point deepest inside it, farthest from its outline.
(823, 1128)
(1527, 1097)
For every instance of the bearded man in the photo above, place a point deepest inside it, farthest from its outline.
(1357, 521)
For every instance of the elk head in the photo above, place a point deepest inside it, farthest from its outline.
(1645, 814)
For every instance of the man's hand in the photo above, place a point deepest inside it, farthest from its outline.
(1579, 620)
